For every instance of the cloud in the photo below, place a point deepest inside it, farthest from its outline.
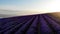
(38, 7)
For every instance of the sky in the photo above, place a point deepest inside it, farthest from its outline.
(30, 6)
(38, 5)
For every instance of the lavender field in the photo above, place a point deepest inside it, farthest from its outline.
(32, 24)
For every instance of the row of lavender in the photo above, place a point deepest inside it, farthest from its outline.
(34, 24)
